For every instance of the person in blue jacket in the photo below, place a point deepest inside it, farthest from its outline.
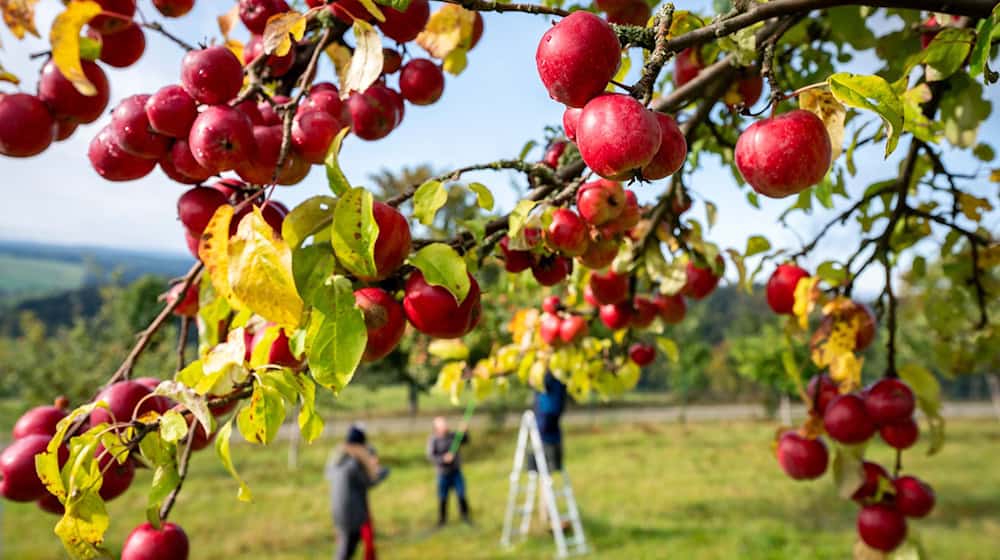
(549, 407)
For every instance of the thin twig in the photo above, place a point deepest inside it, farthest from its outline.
(483, 6)
(155, 26)
(182, 337)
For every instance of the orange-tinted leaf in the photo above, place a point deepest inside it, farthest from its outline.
(281, 29)
(19, 15)
(226, 22)
(447, 29)
(65, 39)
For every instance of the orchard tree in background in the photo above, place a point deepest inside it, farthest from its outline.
(288, 303)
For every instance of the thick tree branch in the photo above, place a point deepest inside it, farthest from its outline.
(531, 169)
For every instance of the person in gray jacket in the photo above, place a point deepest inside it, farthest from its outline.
(353, 468)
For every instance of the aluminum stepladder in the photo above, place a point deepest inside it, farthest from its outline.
(576, 543)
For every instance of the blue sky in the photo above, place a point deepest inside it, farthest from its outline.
(485, 114)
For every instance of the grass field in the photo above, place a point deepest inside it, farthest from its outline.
(25, 276)
(703, 491)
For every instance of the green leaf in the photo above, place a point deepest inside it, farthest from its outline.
(335, 177)
(156, 450)
(190, 399)
(484, 198)
(669, 348)
(928, 393)
(310, 422)
(222, 450)
(947, 52)
(400, 5)
(476, 226)
(427, 200)
(986, 32)
(874, 94)
(528, 146)
(984, 152)
(173, 426)
(832, 273)
(448, 349)
(443, 266)
(336, 335)
(311, 267)
(756, 244)
(307, 218)
(90, 49)
(165, 479)
(354, 233)
(516, 223)
(261, 418)
(848, 474)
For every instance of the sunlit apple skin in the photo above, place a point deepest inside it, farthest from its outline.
(372, 118)
(213, 75)
(255, 13)
(433, 311)
(901, 434)
(26, 126)
(146, 543)
(873, 472)
(802, 458)
(171, 111)
(625, 221)
(701, 281)
(827, 391)
(914, 497)
(312, 134)
(646, 312)
(573, 328)
(63, 98)
(673, 149)
(616, 315)
(131, 130)
(261, 169)
(672, 308)
(385, 321)
(600, 201)
(784, 155)
(221, 138)
(551, 304)
(846, 421)
(577, 57)
(889, 400)
(41, 420)
(112, 163)
(551, 270)
(19, 480)
(616, 135)
(781, 287)
(421, 81)
(609, 287)
(881, 527)
(567, 233)
(642, 354)
(548, 328)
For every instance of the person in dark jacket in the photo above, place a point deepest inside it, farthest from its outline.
(549, 407)
(352, 470)
(442, 452)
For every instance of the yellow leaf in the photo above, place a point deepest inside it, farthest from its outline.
(366, 63)
(19, 15)
(281, 29)
(455, 62)
(6, 76)
(825, 106)
(845, 370)
(65, 39)
(372, 9)
(973, 207)
(446, 30)
(995, 175)
(340, 55)
(805, 300)
(213, 250)
(226, 22)
(260, 272)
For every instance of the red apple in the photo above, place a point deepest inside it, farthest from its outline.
(404, 26)
(914, 497)
(571, 117)
(846, 421)
(372, 118)
(553, 153)
(784, 155)
(123, 399)
(514, 260)
(171, 111)
(625, 221)
(901, 434)
(312, 134)
(600, 253)
(173, 8)
(421, 81)
(673, 149)
(616, 315)
(548, 328)
(889, 400)
(19, 481)
(828, 391)
(115, 15)
(600, 201)
(255, 13)
(147, 543)
(642, 354)
(188, 306)
(393, 243)
(65, 127)
(552, 269)
(567, 233)
(112, 163)
(701, 281)
(577, 57)
(433, 310)
(687, 65)
(391, 61)
(26, 126)
(477, 31)
(326, 99)
(123, 48)
(131, 131)
(881, 527)
(616, 135)
(212, 75)
(573, 328)
(646, 312)
(180, 159)
(221, 138)
(63, 98)
(781, 287)
(873, 472)
(41, 420)
(800, 457)
(117, 476)
(626, 12)
(609, 287)
(384, 320)
(276, 66)
(48, 503)
(261, 169)
(196, 207)
(672, 308)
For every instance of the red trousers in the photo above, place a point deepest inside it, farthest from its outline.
(368, 537)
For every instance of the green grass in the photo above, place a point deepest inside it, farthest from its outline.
(703, 491)
(26, 276)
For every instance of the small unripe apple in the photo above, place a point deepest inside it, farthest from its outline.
(552, 269)
(433, 310)
(672, 308)
(673, 149)
(616, 315)
(600, 201)
(513, 260)
(577, 57)
(548, 328)
(872, 472)
(889, 400)
(784, 155)
(914, 497)
(609, 287)
(616, 135)
(385, 321)
(573, 328)
(800, 457)
(846, 421)
(646, 312)
(567, 233)
(828, 391)
(781, 287)
(701, 281)
(881, 527)
(901, 434)
(642, 354)
(147, 543)
(600, 253)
